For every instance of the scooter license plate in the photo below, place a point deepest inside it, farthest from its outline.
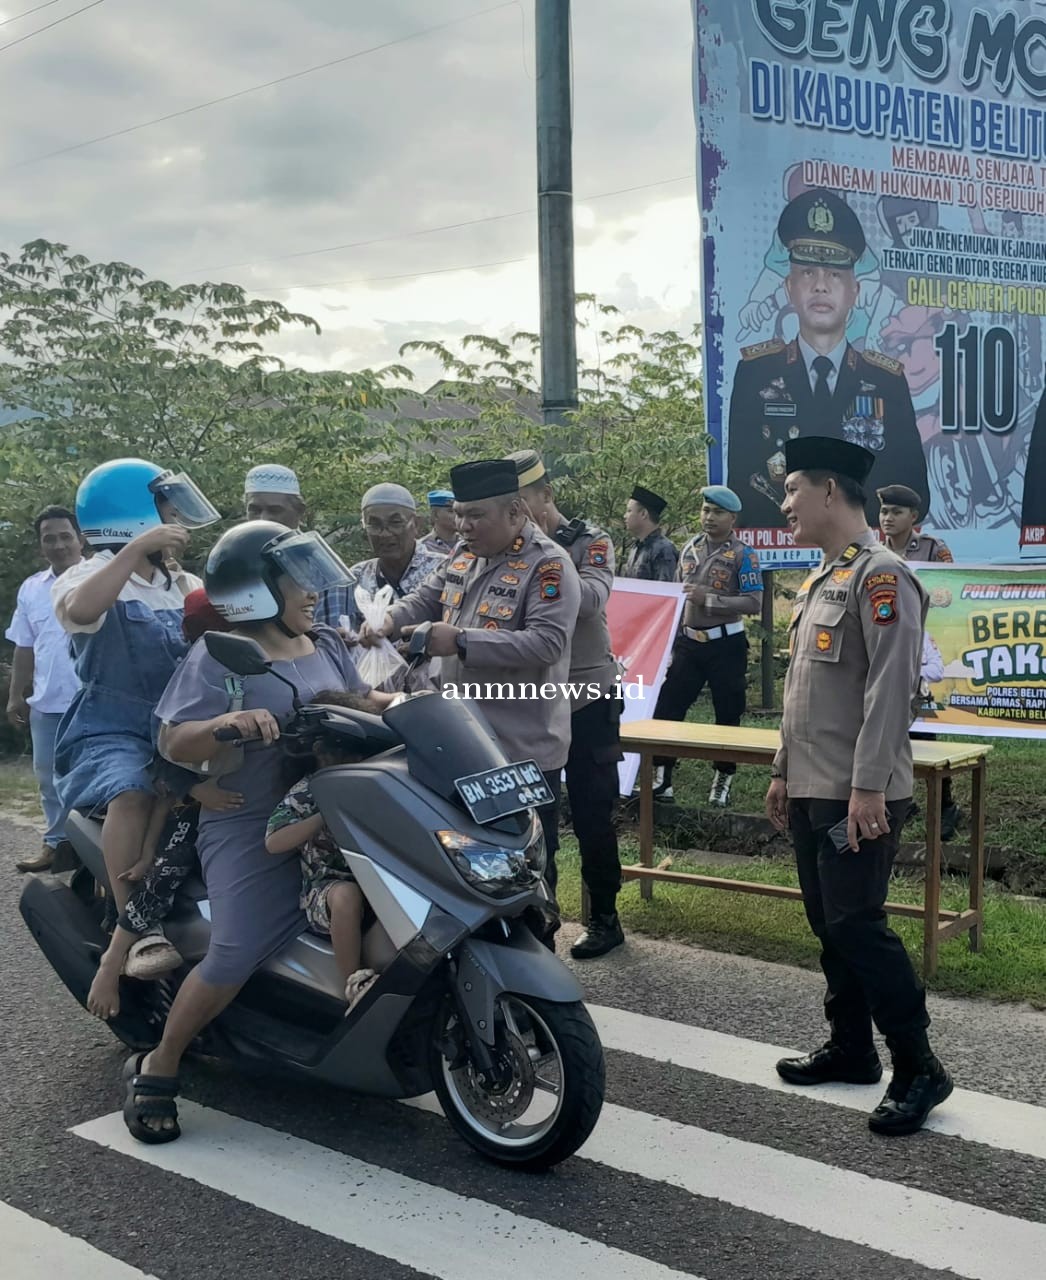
(495, 793)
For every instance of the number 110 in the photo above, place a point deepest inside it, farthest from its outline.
(978, 379)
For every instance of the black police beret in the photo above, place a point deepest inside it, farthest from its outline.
(826, 453)
(492, 478)
(899, 495)
(818, 228)
(653, 502)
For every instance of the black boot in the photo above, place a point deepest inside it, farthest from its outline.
(837, 1062)
(919, 1084)
(602, 935)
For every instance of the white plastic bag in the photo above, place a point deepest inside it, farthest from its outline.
(381, 666)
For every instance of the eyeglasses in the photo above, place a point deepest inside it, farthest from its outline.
(396, 524)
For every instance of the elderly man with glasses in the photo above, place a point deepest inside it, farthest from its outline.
(389, 518)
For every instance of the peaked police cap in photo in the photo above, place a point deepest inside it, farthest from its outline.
(818, 228)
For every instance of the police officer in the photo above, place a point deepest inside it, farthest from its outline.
(443, 534)
(653, 558)
(595, 720)
(900, 509)
(504, 605)
(722, 584)
(842, 779)
(818, 384)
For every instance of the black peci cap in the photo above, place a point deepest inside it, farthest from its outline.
(492, 478)
(653, 502)
(818, 228)
(826, 453)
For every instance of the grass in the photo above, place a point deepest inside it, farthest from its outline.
(18, 793)
(1010, 966)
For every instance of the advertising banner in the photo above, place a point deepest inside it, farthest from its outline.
(873, 185)
(984, 665)
(643, 618)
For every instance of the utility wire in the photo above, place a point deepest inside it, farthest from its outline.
(57, 23)
(257, 88)
(428, 231)
(26, 12)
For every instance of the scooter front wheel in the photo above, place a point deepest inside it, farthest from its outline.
(550, 1089)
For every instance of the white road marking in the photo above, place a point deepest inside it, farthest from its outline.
(32, 1249)
(975, 1117)
(419, 1225)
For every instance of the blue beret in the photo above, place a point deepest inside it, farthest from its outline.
(721, 496)
(441, 498)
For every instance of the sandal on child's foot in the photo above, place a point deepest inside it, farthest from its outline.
(149, 1109)
(151, 955)
(358, 985)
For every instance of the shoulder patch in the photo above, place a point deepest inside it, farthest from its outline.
(550, 566)
(768, 348)
(942, 554)
(597, 552)
(884, 362)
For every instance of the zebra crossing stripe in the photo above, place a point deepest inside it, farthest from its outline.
(438, 1232)
(976, 1117)
(33, 1249)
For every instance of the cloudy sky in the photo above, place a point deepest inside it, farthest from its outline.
(436, 127)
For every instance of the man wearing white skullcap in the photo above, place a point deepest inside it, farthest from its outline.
(389, 519)
(272, 492)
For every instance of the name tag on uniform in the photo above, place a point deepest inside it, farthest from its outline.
(779, 409)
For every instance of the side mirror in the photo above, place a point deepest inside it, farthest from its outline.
(238, 654)
(418, 644)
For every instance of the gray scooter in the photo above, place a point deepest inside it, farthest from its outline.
(439, 830)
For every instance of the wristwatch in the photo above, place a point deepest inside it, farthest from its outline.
(461, 643)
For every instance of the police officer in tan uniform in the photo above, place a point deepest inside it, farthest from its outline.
(595, 721)
(723, 585)
(504, 605)
(900, 510)
(842, 779)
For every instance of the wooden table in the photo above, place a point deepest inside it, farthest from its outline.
(934, 761)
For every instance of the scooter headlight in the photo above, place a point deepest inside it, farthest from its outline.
(493, 868)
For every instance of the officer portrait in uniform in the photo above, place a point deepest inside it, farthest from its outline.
(1033, 510)
(503, 606)
(654, 557)
(818, 384)
(595, 700)
(842, 780)
(722, 584)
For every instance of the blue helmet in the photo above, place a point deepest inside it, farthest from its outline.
(118, 501)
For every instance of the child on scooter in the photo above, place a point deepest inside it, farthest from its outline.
(332, 901)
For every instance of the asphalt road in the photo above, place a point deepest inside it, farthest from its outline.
(702, 1164)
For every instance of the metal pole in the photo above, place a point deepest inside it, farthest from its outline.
(767, 654)
(555, 210)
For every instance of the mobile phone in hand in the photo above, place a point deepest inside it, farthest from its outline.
(837, 834)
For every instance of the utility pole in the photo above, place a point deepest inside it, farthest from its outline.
(555, 210)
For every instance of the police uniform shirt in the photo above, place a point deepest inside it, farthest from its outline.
(434, 543)
(1033, 504)
(591, 657)
(929, 550)
(654, 559)
(773, 401)
(519, 609)
(729, 571)
(856, 649)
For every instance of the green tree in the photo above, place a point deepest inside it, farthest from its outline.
(100, 362)
(640, 418)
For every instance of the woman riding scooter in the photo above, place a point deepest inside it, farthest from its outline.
(264, 579)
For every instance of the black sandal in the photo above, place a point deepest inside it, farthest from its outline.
(149, 1097)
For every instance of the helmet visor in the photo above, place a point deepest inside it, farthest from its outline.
(308, 561)
(187, 505)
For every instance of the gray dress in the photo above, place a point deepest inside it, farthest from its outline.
(253, 894)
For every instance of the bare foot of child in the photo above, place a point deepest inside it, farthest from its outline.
(103, 999)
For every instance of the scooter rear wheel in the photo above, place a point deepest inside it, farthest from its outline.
(554, 1096)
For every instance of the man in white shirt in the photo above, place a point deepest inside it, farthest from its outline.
(43, 681)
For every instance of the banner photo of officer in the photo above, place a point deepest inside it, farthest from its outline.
(886, 283)
(643, 618)
(984, 661)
